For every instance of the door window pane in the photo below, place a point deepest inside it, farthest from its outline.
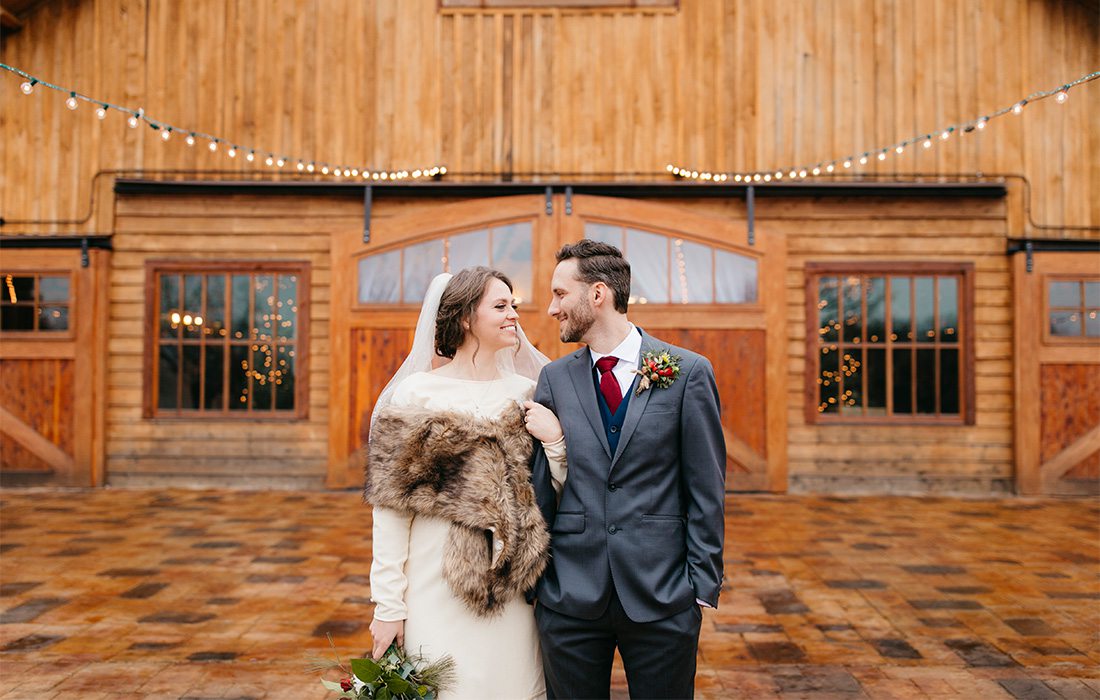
(605, 233)
(1065, 323)
(827, 309)
(53, 289)
(422, 262)
(380, 278)
(876, 309)
(693, 273)
(31, 303)
(926, 310)
(829, 380)
(468, 250)
(734, 278)
(511, 255)
(648, 257)
(1065, 294)
(852, 309)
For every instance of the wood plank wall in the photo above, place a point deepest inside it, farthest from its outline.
(239, 228)
(728, 84)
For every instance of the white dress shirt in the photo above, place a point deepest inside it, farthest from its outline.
(627, 353)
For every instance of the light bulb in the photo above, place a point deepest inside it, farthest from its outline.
(28, 86)
(175, 317)
(355, 172)
(792, 174)
(944, 135)
(366, 175)
(101, 111)
(981, 123)
(768, 177)
(443, 170)
(756, 177)
(668, 167)
(132, 121)
(899, 150)
(830, 168)
(213, 146)
(1062, 96)
(737, 177)
(187, 319)
(190, 140)
(301, 166)
(251, 156)
(882, 155)
(847, 164)
(165, 134)
(383, 175)
(310, 167)
(779, 175)
(816, 171)
(347, 172)
(863, 160)
(416, 173)
(71, 103)
(802, 173)
(232, 152)
(269, 161)
(281, 162)
(324, 170)
(1018, 107)
(927, 142)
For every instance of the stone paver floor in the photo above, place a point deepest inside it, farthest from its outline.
(226, 594)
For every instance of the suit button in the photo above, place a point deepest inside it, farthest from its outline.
(614, 428)
(612, 530)
(612, 487)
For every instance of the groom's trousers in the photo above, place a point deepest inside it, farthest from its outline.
(658, 657)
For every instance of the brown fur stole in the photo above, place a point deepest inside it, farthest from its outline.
(475, 473)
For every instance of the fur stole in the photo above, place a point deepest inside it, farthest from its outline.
(476, 474)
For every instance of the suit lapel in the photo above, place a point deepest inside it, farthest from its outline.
(580, 371)
(637, 403)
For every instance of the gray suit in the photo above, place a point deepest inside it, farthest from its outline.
(637, 536)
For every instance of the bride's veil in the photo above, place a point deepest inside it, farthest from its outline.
(525, 359)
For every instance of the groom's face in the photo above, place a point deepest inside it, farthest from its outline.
(570, 303)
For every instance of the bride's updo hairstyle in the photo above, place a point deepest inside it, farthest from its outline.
(458, 304)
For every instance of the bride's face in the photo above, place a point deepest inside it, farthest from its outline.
(495, 319)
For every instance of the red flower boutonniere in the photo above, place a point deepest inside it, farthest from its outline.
(658, 369)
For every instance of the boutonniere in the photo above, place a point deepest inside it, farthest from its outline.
(658, 369)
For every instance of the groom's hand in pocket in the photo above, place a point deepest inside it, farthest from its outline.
(385, 633)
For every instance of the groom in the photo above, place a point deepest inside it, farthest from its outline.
(636, 547)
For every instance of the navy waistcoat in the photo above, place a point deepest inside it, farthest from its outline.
(612, 423)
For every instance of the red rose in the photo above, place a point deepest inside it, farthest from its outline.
(667, 372)
(652, 365)
(346, 684)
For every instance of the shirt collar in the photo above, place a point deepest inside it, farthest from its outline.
(627, 351)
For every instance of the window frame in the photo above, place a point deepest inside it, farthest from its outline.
(1049, 338)
(402, 244)
(153, 268)
(814, 271)
(69, 333)
(671, 237)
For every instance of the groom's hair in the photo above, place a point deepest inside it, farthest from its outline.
(601, 262)
(457, 306)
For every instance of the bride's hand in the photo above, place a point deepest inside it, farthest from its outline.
(384, 633)
(541, 422)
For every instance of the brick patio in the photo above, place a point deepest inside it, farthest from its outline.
(226, 594)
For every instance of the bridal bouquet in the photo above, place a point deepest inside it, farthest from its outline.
(395, 676)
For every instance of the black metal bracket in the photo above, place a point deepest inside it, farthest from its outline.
(1029, 250)
(84, 258)
(549, 201)
(569, 200)
(750, 201)
(368, 203)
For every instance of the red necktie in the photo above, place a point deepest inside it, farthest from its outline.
(609, 386)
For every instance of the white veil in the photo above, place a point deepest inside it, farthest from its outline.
(525, 360)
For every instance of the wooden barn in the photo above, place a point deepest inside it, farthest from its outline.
(895, 274)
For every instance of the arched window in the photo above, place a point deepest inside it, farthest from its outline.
(670, 270)
(401, 275)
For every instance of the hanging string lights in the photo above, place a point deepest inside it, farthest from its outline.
(926, 140)
(231, 147)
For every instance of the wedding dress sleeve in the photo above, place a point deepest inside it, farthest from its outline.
(555, 455)
(390, 546)
(390, 550)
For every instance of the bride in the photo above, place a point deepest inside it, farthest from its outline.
(458, 538)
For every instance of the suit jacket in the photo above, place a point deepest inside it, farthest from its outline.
(648, 520)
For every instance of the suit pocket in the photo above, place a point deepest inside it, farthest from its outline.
(668, 519)
(569, 523)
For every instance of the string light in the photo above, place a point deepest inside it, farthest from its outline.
(1060, 95)
(135, 117)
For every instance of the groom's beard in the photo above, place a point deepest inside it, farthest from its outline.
(579, 320)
